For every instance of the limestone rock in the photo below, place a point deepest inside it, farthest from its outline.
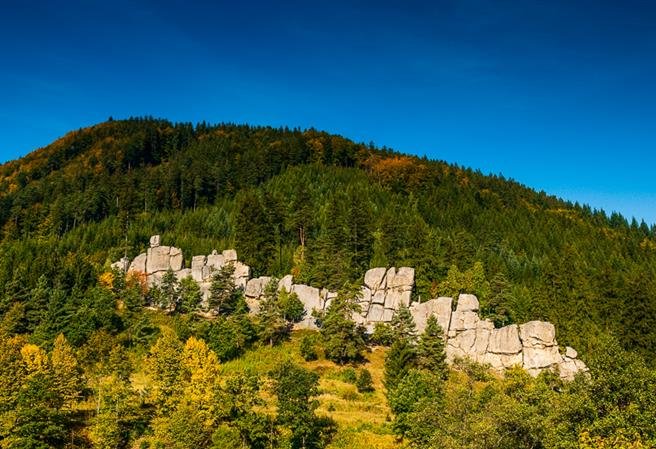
(502, 361)
(395, 298)
(365, 294)
(539, 358)
(570, 352)
(328, 299)
(216, 261)
(537, 334)
(255, 287)
(462, 321)
(155, 241)
(139, 263)
(181, 274)
(285, 283)
(483, 330)
(229, 255)
(309, 296)
(122, 264)
(378, 297)
(440, 307)
(374, 277)
(389, 278)
(176, 259)
(388, 314)
(241, 274)
(404, 279)
(197, 265)
(158, 259)
(461, 345)
(505, 341)
(467, 303)
(375, 313)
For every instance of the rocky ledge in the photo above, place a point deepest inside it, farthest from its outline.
(530, 345)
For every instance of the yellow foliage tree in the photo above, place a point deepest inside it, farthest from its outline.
(67, 375)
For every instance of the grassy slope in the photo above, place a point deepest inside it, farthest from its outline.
(363, 419)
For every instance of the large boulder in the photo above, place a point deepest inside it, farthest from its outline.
(229, 255)
(216, 261)
(139, 263)
(374, 277)
(467, 303)
(505, 340)
(123, 264)
(158, 259)
(309, 296)
(462, 321)
(395, 298)
(440, 307)
(255, 287)
(403, 279)
(197, 265)
(537, 334)
(375, 313)
(175, 259)
(286, 283)
(537, 359)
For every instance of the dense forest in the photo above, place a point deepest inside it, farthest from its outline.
(85, 364)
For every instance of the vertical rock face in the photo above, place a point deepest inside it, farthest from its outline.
(530, 345)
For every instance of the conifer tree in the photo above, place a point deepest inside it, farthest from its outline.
(430, 349)
(343, 339)
(190, 295)
(403, 325)
(401, 357)
(224, 294)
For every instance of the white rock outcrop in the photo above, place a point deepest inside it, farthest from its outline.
(531, 345)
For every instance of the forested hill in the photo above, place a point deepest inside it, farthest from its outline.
(321, 207)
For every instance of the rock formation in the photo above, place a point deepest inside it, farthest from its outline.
(530, 345)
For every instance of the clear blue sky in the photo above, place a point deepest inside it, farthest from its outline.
(559, 95)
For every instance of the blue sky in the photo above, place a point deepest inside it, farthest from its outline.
(559, 95)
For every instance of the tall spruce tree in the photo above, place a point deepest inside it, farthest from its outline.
(430, 349)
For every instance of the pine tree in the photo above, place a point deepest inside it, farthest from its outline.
(224, 295)
(343, 340)
(401, 357)
(403, 325)
(430, 349)
(190, 295)
(273, 325)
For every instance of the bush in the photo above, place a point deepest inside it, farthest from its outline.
(349, 375)
(364, 383)
(308, 349)
(383, 335)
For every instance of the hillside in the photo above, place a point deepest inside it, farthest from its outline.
(92, 357)
(274, 193)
